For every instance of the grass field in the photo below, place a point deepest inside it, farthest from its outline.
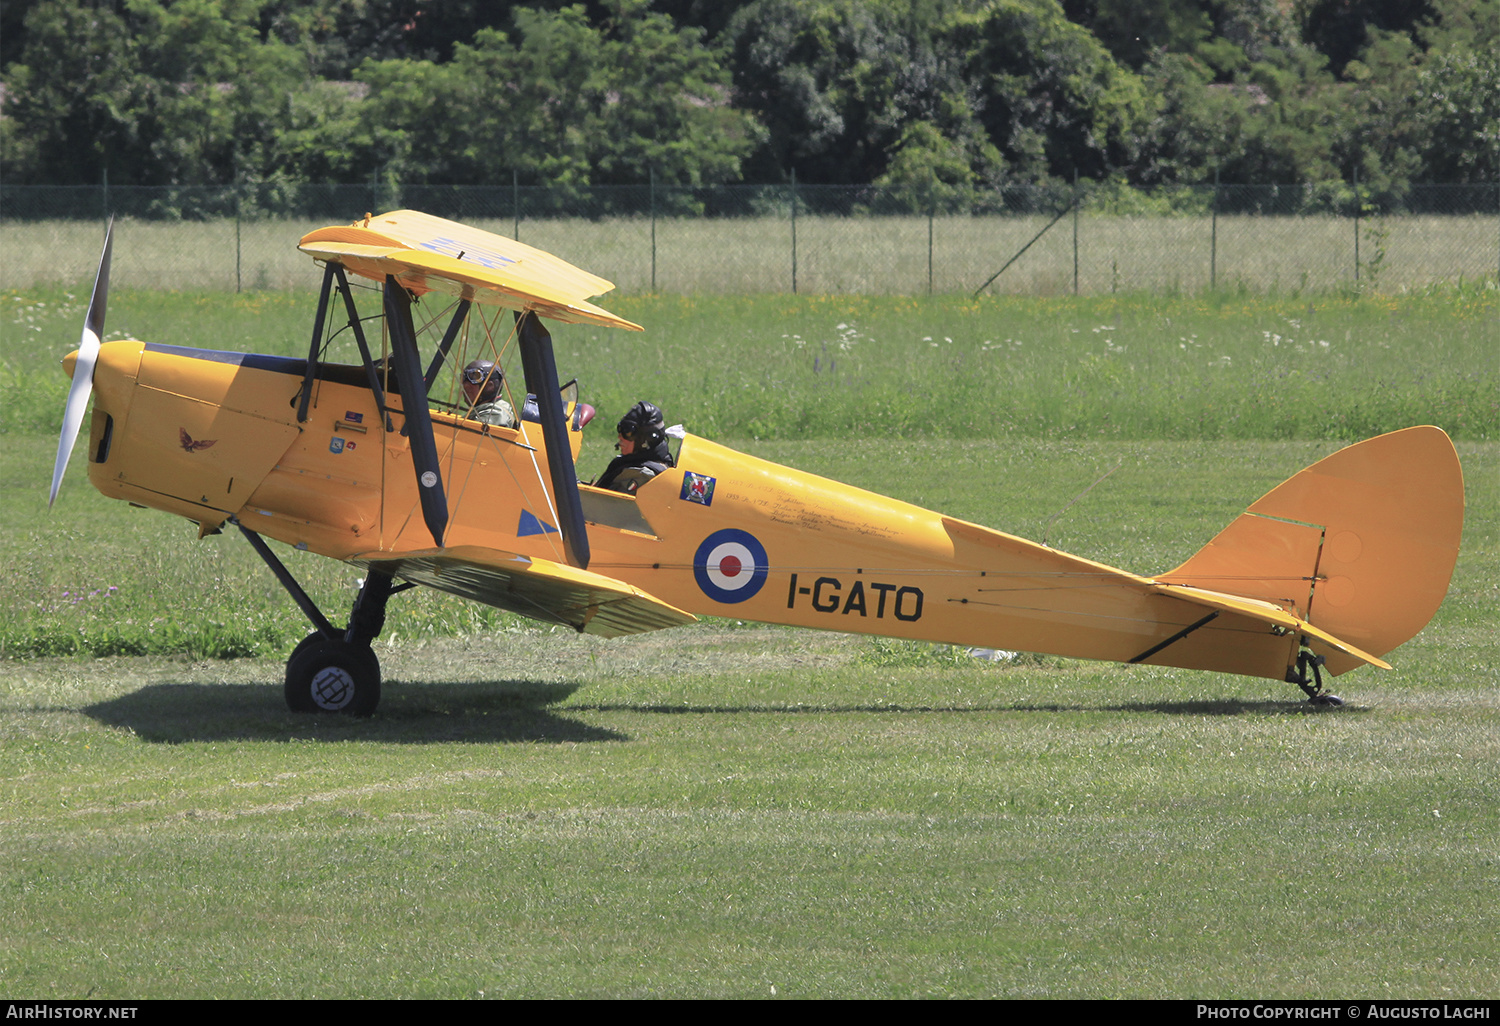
(740, 811)
(728, 809)
(833, 255)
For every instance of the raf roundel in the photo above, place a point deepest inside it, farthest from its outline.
(730, 565)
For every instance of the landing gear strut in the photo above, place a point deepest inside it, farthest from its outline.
(334, 671)
(1313, 685)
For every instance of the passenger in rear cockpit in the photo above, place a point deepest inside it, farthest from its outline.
(644, 452)
(482, 383)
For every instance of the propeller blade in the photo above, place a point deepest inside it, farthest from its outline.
(83, 369)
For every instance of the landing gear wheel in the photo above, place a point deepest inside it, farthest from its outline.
(1313, 686)
(331, 675)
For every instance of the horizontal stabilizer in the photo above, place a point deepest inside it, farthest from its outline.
(431, 254)
(537, 588)
(1265, 612)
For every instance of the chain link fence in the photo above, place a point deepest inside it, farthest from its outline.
(797, 238)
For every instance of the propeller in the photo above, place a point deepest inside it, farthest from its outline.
(83, 369)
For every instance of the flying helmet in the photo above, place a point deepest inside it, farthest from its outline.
(644, 425)
(482, 381)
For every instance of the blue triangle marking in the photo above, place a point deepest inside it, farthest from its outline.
(530, 525)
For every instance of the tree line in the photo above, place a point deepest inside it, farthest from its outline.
(944, 96)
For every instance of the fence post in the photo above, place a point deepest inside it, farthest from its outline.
(515, 202)
(1213, 238)
(1356, 226)
(930, 208)
(238, 287)
(1075, 231)
(651, 172)
(794, 231)
(104, 195)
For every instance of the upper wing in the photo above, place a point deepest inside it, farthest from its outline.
(427, 253)
(538, 588)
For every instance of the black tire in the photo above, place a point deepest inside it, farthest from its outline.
(299, 699)
(330, 675)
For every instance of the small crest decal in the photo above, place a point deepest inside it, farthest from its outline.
(698, 488)
(336, 444)
(190, 444)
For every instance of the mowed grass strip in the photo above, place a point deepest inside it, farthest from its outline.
(727, 809)
(630, 828)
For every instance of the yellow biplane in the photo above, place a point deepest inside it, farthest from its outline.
(365, 463)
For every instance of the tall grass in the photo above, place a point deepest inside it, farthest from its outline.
(844, 255)
(1211, 365)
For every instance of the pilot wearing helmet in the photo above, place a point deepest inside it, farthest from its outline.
(643, 450)
(482, 383)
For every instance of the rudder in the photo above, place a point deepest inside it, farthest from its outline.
(1361, 544)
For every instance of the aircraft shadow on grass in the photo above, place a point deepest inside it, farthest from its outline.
(515, 711)
(1201, 707)
(1229, 707)
(495, 712)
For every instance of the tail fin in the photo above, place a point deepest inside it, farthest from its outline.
(1361, 544)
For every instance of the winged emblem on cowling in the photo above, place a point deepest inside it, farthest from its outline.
(190, 444)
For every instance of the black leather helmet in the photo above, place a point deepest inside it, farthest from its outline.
(644, 425)
(482, 381)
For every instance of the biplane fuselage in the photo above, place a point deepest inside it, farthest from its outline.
(210, 436)
(1338, 565)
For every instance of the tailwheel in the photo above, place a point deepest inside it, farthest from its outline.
(331, 675)
(1313, 686)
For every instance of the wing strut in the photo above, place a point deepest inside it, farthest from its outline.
(541, 381)
(317, 344)
(424, 458)
(447, 343)
(364, 347)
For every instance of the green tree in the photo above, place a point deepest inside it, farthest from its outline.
(562, 102)
(1456, 95)
(151, 92)
(929, 172)
(837, 84)
(1052, 99)
(74, 99)
(1458, 100)
(1340, 29)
